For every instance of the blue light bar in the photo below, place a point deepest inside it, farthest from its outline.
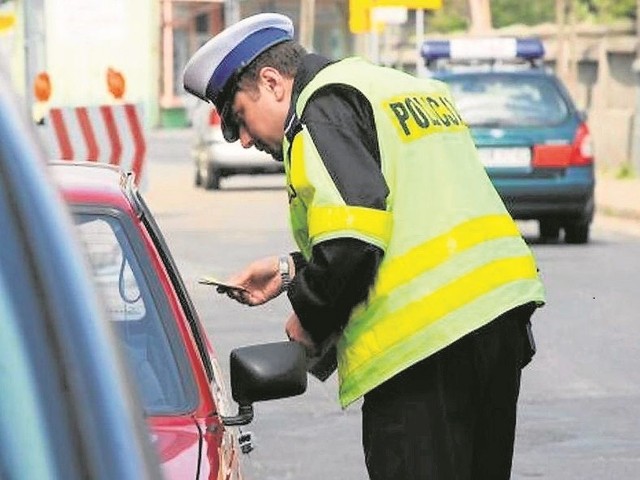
(483, 49)
(530, 48)
(435, 49)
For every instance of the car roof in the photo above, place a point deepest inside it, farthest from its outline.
(94, 183)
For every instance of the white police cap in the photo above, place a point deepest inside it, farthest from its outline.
(224, 56)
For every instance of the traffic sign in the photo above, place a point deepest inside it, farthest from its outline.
(111, 134)
(7, 21)
(390, 15)
(360, 10)
(414, 4)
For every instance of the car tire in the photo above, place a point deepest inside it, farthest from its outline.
(212, 179)
(199, 163)
(576, 233)
(549, 230)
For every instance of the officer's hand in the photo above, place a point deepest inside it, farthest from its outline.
(261, 281)
(297, 333)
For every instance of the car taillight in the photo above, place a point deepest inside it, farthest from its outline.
(579, 153)
(582, 153)
(214, 118)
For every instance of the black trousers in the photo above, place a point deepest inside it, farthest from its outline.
(452, 415)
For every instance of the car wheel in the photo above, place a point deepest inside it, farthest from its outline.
(576, 233)
(549, 230)
(212, 178)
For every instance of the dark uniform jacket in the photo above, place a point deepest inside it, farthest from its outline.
(341, 271)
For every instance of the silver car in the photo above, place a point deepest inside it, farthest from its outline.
(215, 158)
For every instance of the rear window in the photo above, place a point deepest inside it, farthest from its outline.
(495, 100)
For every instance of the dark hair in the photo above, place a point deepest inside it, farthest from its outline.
(284, 57)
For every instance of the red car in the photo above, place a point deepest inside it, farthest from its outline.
(172, 361)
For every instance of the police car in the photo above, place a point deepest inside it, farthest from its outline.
(533, 141)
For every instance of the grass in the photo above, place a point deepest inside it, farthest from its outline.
(625, 171)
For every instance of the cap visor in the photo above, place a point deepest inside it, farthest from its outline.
(229, 127)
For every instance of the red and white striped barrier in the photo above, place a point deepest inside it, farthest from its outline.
(105, 133)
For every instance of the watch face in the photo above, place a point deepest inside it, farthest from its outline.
(283, 267)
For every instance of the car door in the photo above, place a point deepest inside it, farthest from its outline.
(162, 336)
(221, 443)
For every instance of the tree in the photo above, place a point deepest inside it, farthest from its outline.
(509, 12)
(455, 14)
(604, 11)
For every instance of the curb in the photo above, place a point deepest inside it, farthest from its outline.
(618, 212)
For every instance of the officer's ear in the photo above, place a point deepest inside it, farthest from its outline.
(273, 81)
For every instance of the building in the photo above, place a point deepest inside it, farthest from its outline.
(148, 42)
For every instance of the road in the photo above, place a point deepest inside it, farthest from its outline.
(580, 400)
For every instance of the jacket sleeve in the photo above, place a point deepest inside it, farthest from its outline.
(340, 271)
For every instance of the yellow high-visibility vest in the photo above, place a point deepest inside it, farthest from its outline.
(454, 258)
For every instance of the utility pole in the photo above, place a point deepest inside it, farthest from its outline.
(34, 47)
(572, 60)
(566, 65)
(167, 54)
(421, 69)
(561, 53)
(635, 147)
(480, 16)
(231, 12)
(307, 23)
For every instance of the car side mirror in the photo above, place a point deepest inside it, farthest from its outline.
(265, 372)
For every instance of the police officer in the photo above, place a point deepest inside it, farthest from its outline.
(407, 254)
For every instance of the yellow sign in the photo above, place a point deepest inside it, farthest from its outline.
(7, 21)
(414, 4)
(359, 16)
(360, 10)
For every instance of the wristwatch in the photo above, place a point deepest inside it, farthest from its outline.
(285, 272)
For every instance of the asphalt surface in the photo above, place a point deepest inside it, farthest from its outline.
(579, 402)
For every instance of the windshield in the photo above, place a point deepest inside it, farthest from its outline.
(126, 292)
(499, 100)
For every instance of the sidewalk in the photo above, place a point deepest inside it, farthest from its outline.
(618, 197)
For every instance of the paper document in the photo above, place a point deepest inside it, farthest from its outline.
(221, 287)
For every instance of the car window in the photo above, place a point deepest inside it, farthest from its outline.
(508, 100)
(133, 313)
(112, 270)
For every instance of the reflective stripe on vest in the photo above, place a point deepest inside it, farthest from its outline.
(332, 222)
(433, 252)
